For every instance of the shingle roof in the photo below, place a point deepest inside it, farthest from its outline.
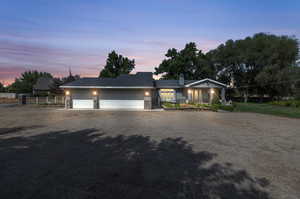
(171, 83)
(43, 83)
(167, 84)
(140, 79)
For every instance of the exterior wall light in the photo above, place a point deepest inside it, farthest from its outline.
(147, 93)
(67, 93)
(212, 91)
(95, 93)
(189, 91)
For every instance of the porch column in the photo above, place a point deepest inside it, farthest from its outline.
(200, 96)
(96, 101)
(68, 102)
(189, 95)
(211, 95)
(148, 99)
(223, 95)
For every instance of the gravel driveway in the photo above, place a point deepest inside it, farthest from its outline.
(50, 153)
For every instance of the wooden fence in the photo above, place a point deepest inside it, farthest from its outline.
(58, 100)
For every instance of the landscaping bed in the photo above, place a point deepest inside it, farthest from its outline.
(196, 107)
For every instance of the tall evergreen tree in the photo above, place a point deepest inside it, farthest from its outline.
(117, 64)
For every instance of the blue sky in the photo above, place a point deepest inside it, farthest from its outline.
(53, 35)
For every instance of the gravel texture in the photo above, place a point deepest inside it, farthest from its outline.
(38, 146)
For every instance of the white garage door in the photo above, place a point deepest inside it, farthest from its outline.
(78, 103)
(121, 104)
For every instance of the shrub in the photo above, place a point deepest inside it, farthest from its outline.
(214, 107)
(216, 101)
(226, 107)
(168, 104)
(288, 103)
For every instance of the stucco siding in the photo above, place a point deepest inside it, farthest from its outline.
(82, 93)
(121, 94)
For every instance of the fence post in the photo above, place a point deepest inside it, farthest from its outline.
(37, 100)
(47, 100)
(55, 100)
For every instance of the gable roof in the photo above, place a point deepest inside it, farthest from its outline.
(187, 83)
(43, 83)
(205, 80)
(139, 80)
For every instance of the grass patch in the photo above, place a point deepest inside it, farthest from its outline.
(229, 108)
(292, 103)
(270, 109)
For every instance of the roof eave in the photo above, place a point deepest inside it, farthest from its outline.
(123, 87)
(207, 79)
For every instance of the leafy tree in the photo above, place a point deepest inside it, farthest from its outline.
(296, 82)
(25, 83)
(258, 65)
(190, 61)
(116, 65)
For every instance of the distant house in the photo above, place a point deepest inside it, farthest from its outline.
(139, 91)
(43, 86)
(298, 62)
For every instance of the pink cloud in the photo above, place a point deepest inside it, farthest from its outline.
(17, 57)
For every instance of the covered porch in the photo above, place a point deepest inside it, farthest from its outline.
(205, 91)
(205, 95)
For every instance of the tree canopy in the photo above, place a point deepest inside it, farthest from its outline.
(25, 83)
(117, 64)
(190, 61)
(2, 88)
(261, 64)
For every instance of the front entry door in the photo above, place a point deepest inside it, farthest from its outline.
(205, 96)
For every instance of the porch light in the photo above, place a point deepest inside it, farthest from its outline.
(190, 91)
(212, 91)
(67, 93)
(147, 93)
(95, 93)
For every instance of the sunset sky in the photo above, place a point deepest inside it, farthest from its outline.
(53, 35)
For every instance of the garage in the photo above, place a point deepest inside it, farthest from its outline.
(122, 99)
(83, 103)
(127, 91)
(122, 104)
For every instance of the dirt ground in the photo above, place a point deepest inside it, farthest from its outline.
(51, 153)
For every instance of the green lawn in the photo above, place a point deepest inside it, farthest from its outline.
(292, 112)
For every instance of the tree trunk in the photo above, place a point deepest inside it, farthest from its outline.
(245, 97)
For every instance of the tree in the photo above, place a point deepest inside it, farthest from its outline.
(258, 65)
(2, 88)
(60, 81)
(116, 65)
(25, 83)
(190, 61)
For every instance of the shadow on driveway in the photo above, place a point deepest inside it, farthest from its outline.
(84, 164)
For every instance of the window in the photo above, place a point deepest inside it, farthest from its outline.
(167, 95)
